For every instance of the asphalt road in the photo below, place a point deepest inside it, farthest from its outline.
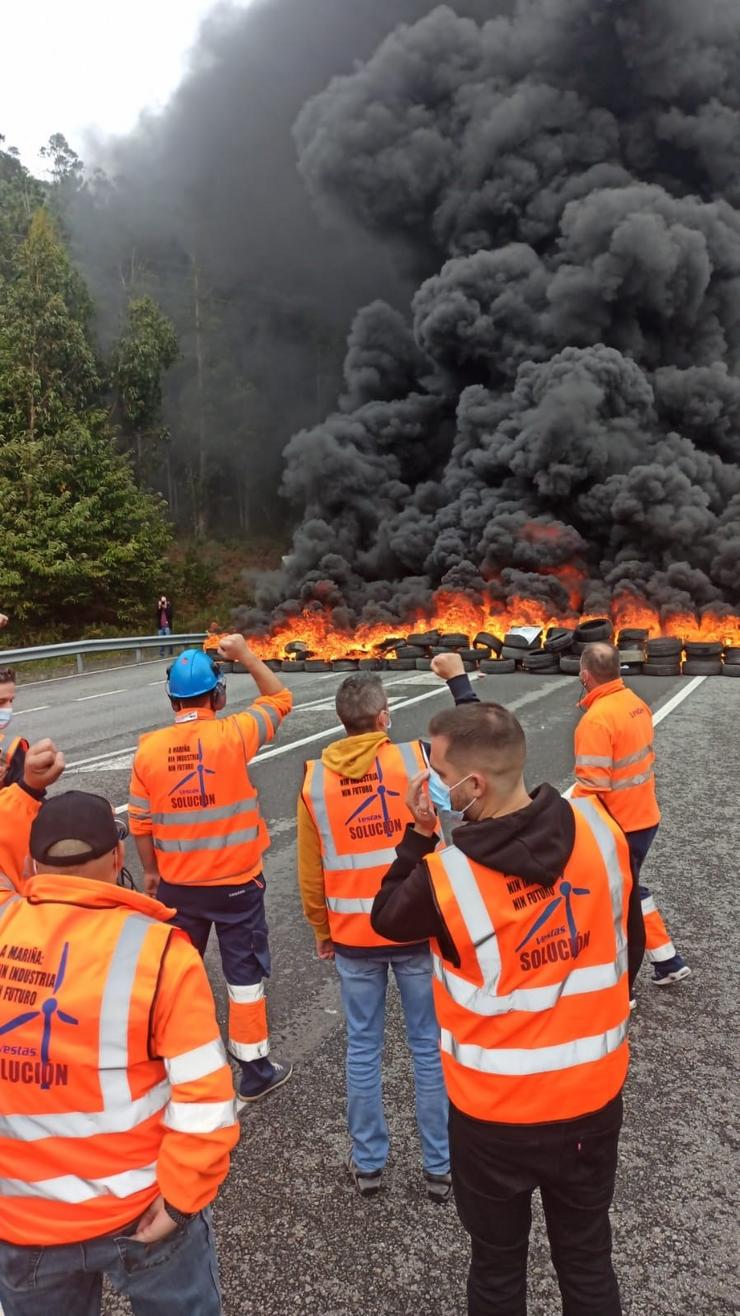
(294, 1238)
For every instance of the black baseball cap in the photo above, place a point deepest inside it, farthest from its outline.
(74, 816)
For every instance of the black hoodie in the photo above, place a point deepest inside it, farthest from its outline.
(534, 844)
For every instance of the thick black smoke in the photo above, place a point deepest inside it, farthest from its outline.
(210, 188)
(566, 387)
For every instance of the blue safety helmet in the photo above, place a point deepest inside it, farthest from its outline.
(192, 674)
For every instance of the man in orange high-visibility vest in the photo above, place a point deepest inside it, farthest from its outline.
(615, 763)
(201, 838)
(537, 931)
(351, 811)
(117, 1111)
(43, 764)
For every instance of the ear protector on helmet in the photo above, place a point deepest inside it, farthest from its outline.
(195, 673)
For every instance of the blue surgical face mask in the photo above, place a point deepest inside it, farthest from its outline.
(5, 716)
(441, 795)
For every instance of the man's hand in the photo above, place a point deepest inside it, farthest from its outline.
(324, 949)
(3, 620)
(151, 882)
(447, 665)
(155, 1224)
(234, 649)
(420, 805)
(43, 766)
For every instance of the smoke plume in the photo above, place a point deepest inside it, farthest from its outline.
(565, 386)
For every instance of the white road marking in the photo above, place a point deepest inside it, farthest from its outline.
(83, 699)
(665, 711)
(20, 712)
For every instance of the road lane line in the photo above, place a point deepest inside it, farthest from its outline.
(20, 712)
(665, 711)
(83, 699)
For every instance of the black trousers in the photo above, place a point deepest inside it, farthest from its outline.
(495, 1169)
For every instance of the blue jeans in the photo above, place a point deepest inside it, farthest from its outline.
(165, 630)
(363, 986)
(178, 1275)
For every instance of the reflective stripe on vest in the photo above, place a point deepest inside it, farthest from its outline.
(533, 1060)
(264, 715)
(186, 846)
(198, 1063)
(69, 1188)
(216, 813)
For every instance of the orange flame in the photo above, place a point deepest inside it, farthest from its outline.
(457, 612)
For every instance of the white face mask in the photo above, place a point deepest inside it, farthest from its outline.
(5, 716)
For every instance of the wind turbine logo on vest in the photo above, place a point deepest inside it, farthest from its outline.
(199, 773)
(555, 949)
(376, 824)
(43, 1073)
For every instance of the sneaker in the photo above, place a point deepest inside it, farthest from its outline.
(633, 1003)
(673, 970)
(367, 1182)
(280, 1075)
(439, 1187)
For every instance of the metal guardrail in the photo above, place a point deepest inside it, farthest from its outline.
(78, 648)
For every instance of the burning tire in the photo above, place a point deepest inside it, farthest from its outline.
(589, 632)
(410, 651)
(703, 649)
(424, 639)
(666, 647)
(515, 641)
(371, 664)
(510, 653)
(732, 656)
(423, 664)
(317, 665)
(455, 640)
(731, 669)
(632, 637)
(632, 656)
(498, 666)
(570, 665)
(485, 640)
(661, 669)
(400, 664)
(274, 664)
(344, 664)
(559, 639)
(702, 667)
(292, 665)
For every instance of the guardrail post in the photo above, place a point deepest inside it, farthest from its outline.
(80, 663)
(137, 655)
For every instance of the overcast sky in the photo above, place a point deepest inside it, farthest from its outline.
(70, 65)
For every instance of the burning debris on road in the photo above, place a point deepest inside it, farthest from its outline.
(555, 432)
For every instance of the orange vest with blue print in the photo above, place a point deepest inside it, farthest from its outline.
(534, 1019)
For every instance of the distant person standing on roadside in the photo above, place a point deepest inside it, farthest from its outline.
(614, 762)
(164, 620)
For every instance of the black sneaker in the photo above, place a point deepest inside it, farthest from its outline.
(439, 1187)
(367, 1182)
(280, 1075)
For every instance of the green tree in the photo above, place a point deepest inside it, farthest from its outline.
(81, 542)
(147, 348)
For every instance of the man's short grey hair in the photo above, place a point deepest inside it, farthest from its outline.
(360, 699)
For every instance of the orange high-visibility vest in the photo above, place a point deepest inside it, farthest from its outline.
(9, 745)
(359, 823)
(17, 812)
(94, 1123)
(614, 755)
(534, 1020)
(191, 792)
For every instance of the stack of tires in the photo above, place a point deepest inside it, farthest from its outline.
(588, 632)
(731, 664)
(663, 656)
(702, 658)
(631, 644)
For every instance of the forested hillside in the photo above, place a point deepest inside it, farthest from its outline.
(81, 540)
